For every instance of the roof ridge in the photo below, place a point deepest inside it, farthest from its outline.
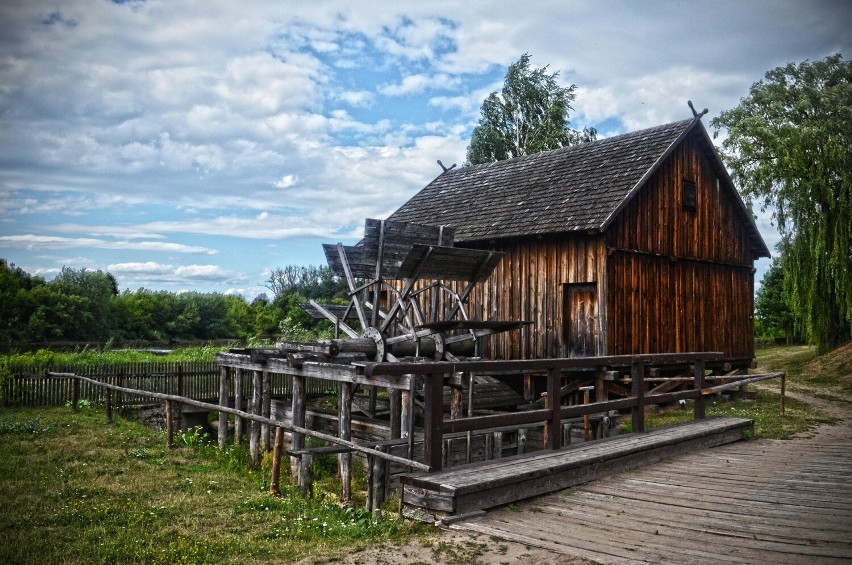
(575, 147)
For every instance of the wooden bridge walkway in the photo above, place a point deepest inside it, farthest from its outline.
(764, 501)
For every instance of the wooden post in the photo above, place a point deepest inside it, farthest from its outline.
(456, 398)
(179, 393)
(306, 474)
(298, 411)
(395, 396)
(275, 480)
(783, 386)
(378, 485)
(119, 397)
(170, 429)
(108, 405)
(75, 394)
(553, 437)
(522, 440)
(529, 388)
(265, 409)
(637, 375)
(238, 405)
(406, 416)
(344, 431)
(224, 386)
(698, 374)
(586, 390)
(601, 393)
(433, 419)
(254, 436)
(498, 445)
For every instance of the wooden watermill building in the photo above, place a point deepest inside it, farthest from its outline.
(632, 244)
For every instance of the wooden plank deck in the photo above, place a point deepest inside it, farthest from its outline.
(462, 490)
(766, 501)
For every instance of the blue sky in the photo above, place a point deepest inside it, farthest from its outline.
(196, 145)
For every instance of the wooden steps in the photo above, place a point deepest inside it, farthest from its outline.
(470, 488)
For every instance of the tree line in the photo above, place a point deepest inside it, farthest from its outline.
(86, 305)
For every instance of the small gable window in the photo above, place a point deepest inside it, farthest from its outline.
(690, 199)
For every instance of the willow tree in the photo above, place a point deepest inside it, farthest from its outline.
(789, 146)
(529, 115)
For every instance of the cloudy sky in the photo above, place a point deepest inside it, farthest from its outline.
(195, 145)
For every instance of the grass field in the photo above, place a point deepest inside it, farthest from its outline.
(74, 490)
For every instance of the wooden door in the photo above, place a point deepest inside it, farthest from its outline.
(580, 319)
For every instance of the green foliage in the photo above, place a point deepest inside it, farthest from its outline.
(788, 147)
(774, 319)
(89, 356)
(528, 116)
(11, 424)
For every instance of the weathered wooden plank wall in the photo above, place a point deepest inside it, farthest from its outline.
(529, 284)
(680, 280)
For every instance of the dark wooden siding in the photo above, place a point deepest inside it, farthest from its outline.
(680, 280)
(529, 284)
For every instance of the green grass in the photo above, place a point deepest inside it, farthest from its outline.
(74, 490)
(94, 356)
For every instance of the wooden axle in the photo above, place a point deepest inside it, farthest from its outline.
(373, 344)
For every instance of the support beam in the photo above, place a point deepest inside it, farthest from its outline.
(344, 460)
(433, 415)
(254, 435)
(224, 390)
(637, 374)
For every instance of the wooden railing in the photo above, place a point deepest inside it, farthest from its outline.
(551, 369)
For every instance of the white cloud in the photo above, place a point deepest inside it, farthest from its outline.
(35, 242)
(286, 181)
(413, 84)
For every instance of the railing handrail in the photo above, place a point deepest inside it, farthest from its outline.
(373, 369)
(249, 416)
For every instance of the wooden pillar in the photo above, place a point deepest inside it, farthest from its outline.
(274, 482)
(180, 393)
(601, 392)
(698, 374)
(238, 405)
(265, 410)
(298, 411)
(170, 428)
(306, 474)
(108, 405)
(783, 386)
(529, 388)
(254, 435)
(498, 445)
(406, 416)
(456, 397)
(378, 481)
(395, 396)
(224, 389)
(344, 431)
(637, 375)
(586, 390)
(433, 419)
(75, 394)
(553, 426)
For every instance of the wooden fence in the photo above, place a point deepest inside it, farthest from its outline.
(29, 385)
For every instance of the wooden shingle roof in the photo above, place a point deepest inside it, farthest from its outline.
(576, 188)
